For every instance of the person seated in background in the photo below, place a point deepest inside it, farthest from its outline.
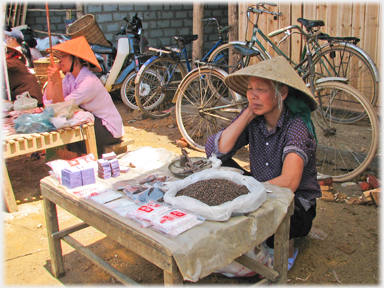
(31, 41)
(20, 79)
(15, 39)
(81, 85)
(277, 126)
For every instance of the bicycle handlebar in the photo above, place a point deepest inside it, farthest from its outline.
(266, 3)
(279, 31)
(260, 11)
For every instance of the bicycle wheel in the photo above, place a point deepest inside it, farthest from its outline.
(344, 61)
(127, 91)
(200, 107)
(155, 85)
(344, 150)
(220, 57)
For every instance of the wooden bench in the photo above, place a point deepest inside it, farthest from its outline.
(120, 147)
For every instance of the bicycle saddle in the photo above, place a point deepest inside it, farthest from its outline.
(101, 49)
(245, 51)
(186, 39)
(310, 23)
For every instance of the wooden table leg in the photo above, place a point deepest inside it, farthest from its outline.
(9, 197)
(90, 142)
(57, 260)
(174, 278)
(281, 246)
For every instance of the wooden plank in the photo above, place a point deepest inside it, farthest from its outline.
(57, 261)
(198, 28)
(283, 21)
(243, 23)
(69, 230)
(116, 230)
(24, 13)
(9, 197)
(98, 261)
(281, 246)
(371, 30)
(296, 39)
(90, 142)
(258, 267)
(272, 25)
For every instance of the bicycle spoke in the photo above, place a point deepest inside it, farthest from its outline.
(200, 107)
(344, 149)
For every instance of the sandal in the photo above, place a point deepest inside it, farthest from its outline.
(291, 261)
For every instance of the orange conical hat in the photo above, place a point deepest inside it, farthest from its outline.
(78, 47)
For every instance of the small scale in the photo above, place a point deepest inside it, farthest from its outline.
(185, 166)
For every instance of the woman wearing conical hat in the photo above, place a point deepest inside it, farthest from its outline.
(278, 128)
(81, 85)
(20, 79)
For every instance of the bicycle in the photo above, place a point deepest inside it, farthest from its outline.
(339, 57)
(159, 76)
(329, 118)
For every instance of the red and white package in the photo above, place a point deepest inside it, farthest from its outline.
(146, 213)
(58, 165)
(176, 222)
(88, 190)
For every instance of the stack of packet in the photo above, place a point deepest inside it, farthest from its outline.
(146, 213)
(103, 169)
(164, 219)
(77, 176)
(108, 166)
(176, 222)
(115, 168)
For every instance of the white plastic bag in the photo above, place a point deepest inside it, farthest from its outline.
(240, 205)
(24, 102)
(235, 269)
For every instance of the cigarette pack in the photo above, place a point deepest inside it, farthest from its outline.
(87, 174)
(71, 177)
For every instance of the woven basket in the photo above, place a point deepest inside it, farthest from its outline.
(87, 26)
(41, 66)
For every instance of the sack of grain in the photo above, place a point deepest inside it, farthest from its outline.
(240, 205)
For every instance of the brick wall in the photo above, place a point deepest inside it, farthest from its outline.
(160, 21)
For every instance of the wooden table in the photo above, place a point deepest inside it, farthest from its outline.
(145, 242)
(21, 144)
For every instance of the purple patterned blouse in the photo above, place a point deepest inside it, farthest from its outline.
(268, 149)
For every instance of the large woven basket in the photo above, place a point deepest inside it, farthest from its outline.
(87, 26)
(41, 66)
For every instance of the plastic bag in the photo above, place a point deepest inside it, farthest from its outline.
(240, 205)
(24, 102)
(35, 123)
(64, 109)
(78, 118)
(235, 269)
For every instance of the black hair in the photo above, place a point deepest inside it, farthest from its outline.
(32, 43)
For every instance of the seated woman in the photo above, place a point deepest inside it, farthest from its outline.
(81, 85)
(277, 126)
(15, 39)
(20, 79)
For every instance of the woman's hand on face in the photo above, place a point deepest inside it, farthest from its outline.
(249, 113)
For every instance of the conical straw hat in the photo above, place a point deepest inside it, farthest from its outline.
(12, 50)
(78, 47)
(275, 69)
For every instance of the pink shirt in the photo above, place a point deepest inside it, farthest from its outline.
(90, 94)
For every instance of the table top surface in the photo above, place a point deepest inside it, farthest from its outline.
(204, 248)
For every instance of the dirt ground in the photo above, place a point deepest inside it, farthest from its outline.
(322, 257)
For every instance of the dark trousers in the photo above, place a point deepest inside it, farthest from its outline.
(301, 220)
(103, 138)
